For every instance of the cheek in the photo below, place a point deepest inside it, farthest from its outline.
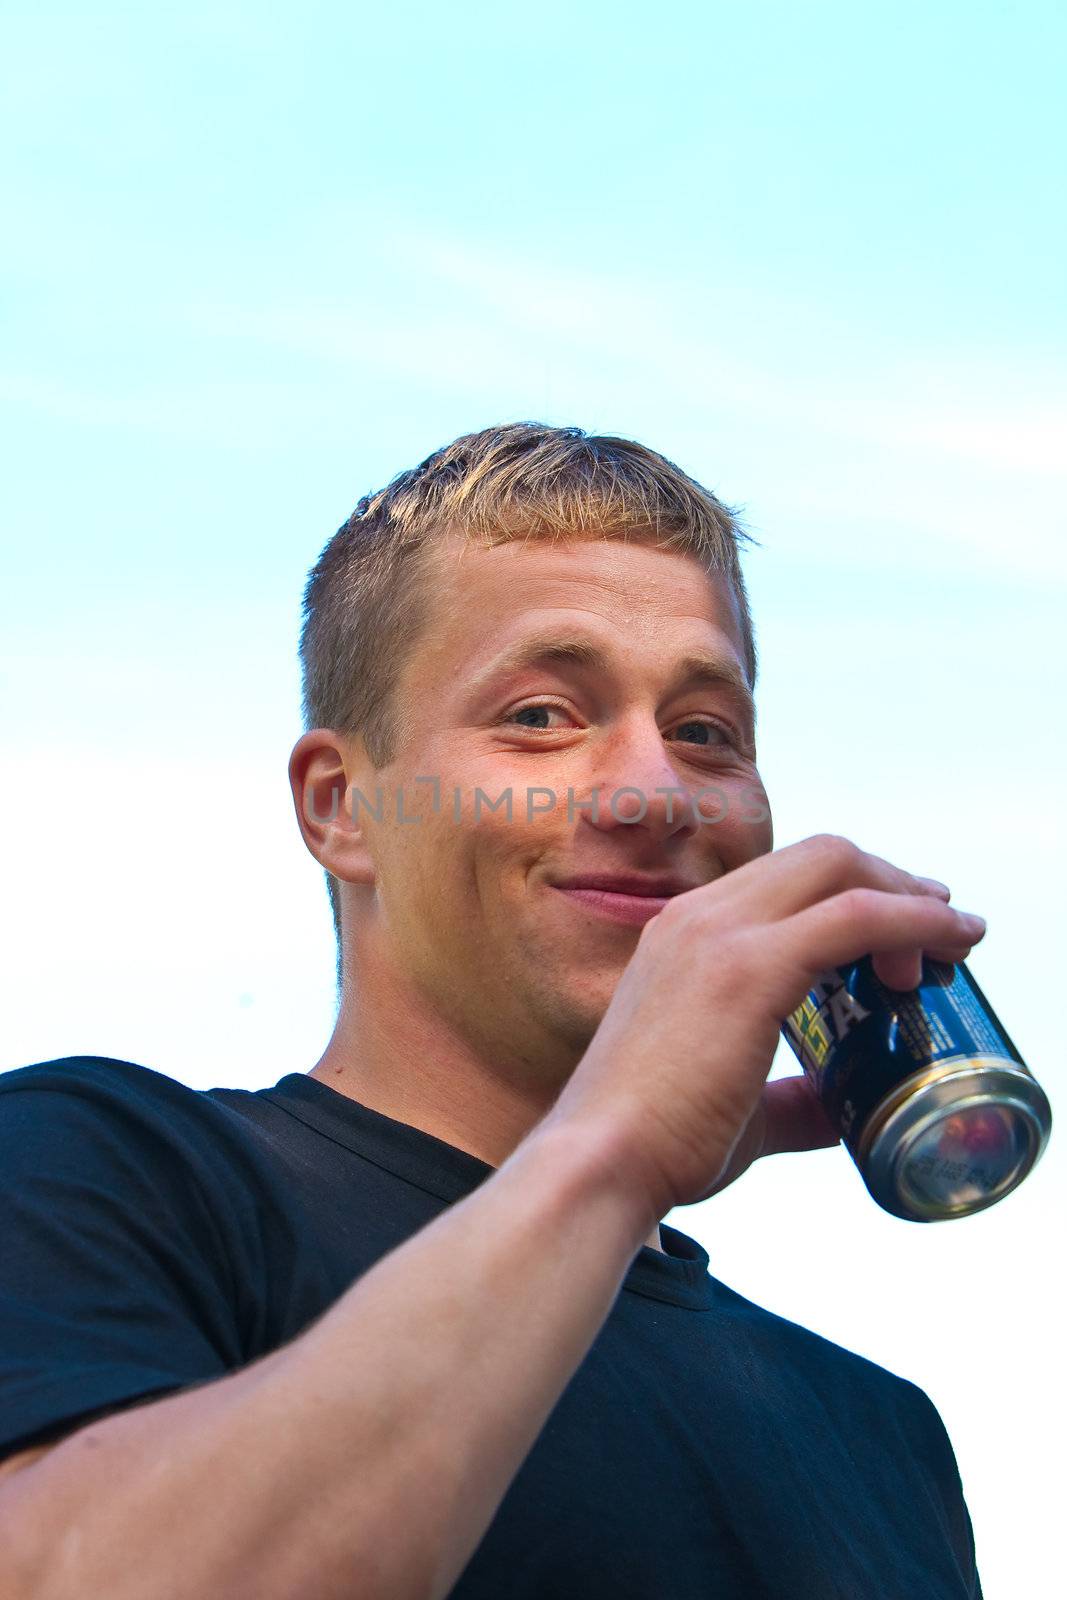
(746, 826)
(465, 867)
(421, 873)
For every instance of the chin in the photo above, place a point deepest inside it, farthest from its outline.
(576, 1018)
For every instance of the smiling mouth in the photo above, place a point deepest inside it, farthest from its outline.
(614, 905)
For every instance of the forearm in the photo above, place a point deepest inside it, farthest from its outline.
(368, 1456)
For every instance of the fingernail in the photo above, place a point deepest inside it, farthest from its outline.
(935, 883)
(974, 922)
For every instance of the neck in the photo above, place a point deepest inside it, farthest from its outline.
(393, 1052)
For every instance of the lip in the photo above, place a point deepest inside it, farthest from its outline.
(662, 884)
(634, 909)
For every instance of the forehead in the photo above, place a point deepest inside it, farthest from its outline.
(484, 600)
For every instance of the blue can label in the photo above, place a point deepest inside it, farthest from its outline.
(857, 1039)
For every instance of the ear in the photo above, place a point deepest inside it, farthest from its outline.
(321, 767)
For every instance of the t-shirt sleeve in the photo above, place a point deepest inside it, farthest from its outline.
(113, 1282)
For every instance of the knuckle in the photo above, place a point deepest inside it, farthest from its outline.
(668, 931)
(683, 911)
(738, 955)
(692, 931)
(858, 904)
(835, 848)
(661, 925)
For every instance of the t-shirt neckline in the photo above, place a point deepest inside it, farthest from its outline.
(680, 1277)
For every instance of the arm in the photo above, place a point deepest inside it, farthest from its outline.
(409, 1405)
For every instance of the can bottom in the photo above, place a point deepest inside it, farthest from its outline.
(954, 1140)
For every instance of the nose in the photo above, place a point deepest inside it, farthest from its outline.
(637, 785)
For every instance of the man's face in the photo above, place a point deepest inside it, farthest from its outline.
(478, 908)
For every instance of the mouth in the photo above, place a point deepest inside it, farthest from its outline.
(617, 898)
(634, 909)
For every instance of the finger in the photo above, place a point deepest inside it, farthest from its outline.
(799, 875)
(935, 886)
(903, 970)
(898, 969)
(863, 921)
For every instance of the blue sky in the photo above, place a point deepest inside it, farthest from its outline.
(259, 259)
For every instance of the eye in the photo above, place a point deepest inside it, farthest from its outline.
(534, 711)
(704, 734)
(710, 735)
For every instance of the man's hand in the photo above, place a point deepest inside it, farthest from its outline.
(789, 1116)
(677, 1069)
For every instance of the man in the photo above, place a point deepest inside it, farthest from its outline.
(410, 1325)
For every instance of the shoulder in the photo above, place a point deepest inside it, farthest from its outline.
(849, 1384)
(145, 1164)
(86, 1074)
(821, 1357)
(131, 1258)
(86, 1113)
(872, 1405)
(101, 1084)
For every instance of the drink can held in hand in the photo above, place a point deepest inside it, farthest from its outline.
(934, 1103)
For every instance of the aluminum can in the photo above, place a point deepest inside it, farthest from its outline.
(933, 1102)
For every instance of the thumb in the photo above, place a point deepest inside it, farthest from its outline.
(794, 1118)
(789, 1116)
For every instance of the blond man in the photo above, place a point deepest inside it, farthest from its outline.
(411, 1324)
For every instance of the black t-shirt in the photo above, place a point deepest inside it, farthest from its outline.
(154, 1237)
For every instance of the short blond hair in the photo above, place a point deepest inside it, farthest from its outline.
(365, 601)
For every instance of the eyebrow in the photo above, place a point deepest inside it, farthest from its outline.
(698, 667)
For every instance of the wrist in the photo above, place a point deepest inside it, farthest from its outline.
(589, 1164)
